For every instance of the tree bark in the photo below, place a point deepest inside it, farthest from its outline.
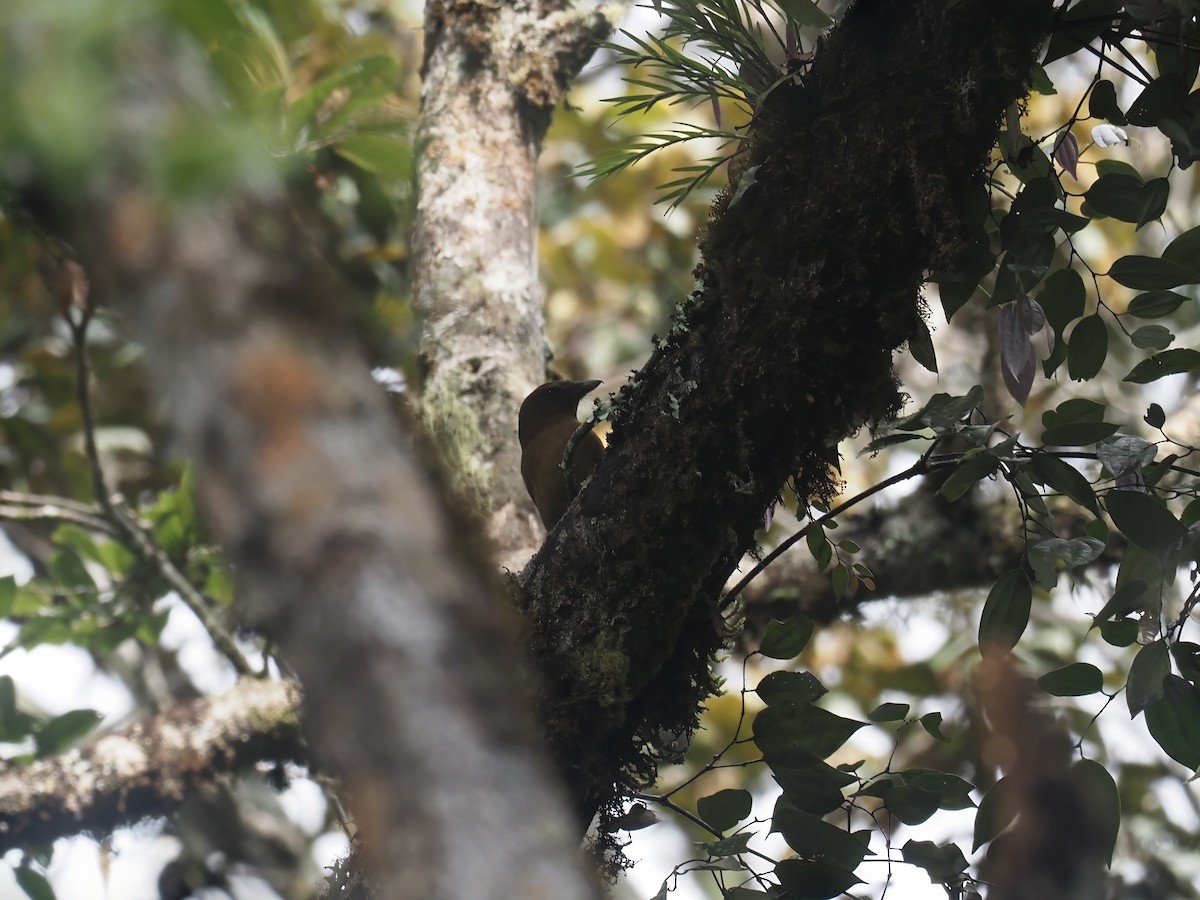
(810, 281)
(493, 74)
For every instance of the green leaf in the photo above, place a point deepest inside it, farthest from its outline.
(1123, 453)
(1006, 611)
(14, 725)
(1185, 249)
(1187, 659)
(1119, 196)
(804, 12)
(1102, 103)
(1088, 348)
(1150, 273)
(888, 712)
(777, 688)
(791, 735)
(1162, 98)
(819, 547)
(968, 472)
(725, 848)
(1146, 673)
(1073, 680)
(69, 572)
(806, 880)
(817, 840)
(1144, 520)
(62, 731)
(389, 156)
(1160, 365)
(1156, 304)
(1075, 552)
(1174, 722)
(724, 809)
(1119, 633)
(815, 788)
(943, 863)
(1125, 599)
(909, 804)
(1153, 201)
(951, 791)
(8, 595)
(785, 640)
(33, 883)
(1118, 167)
(996, 812)
(1102, 802)
(1064, 478)
(1080, 434)
(1152, 337)
(932, 723)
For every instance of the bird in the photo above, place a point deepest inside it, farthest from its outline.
(545, 425)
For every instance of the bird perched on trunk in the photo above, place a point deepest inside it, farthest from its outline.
(545, 425)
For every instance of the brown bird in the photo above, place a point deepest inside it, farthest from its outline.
(546, 423)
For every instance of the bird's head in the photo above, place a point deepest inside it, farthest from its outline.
(549, 402)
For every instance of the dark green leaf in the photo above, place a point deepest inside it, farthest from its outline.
(1150, 273)
(785, 640)
(724, 809)
(888, 712)
(68, 571)
(996, 812)
(909, 804)
(1119, 633)
(1064, 478)
(968, 472)
(819, 547)
(33, 883)
(795, 736)
(932, 723)
(1062, 298)
(1187, 659)
(1072, 411)
(1146, 673)
(814, 788)
(62, 731)
(1073, 680)
(1185, 249)
(1174, 722)
(951, 791)
(1155, 304)
(1080, 434)
(1144, 520)
(805, 12)
(942, 863)
(1088, 348)
(1125, 599)
(1152, 337)
(1006, 611)
(8, 595)
(733, 845)
(1119, 196)
(1153, 201)
(815, 839)
(44, 630)
(1096, 788)
(1160, 365)
(1118, 167)
(806, 880)
(789, 687)
(1161, 99)
(1102, 103)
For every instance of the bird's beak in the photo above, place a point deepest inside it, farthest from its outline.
(586, 387)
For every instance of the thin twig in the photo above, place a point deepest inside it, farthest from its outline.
(47, 510)
(920, 467)
(114, 510)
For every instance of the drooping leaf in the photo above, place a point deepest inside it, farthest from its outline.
(1150, 273)
(1006, 611)
(1072, 680)
(1102, 103)
(968, 472)
(1144, 520)
(932, 723)
(1174, 721)
(1102, 802)
(724, 809)
(815, 839)
(1160, 365)
(791, 735)
(1146, 674)
(996, 812)
(778, 688)
(63, 731)
(888, 712)
(1061, 476)
(943, 863)
(785, 640)
(1088, 348)
(815, 787)
(33, 883)
(807, 880)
